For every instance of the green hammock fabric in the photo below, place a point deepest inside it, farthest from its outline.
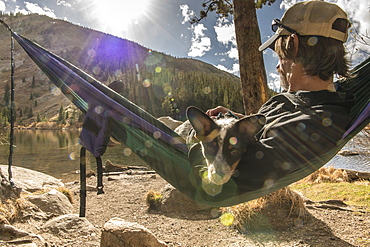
(159, 146)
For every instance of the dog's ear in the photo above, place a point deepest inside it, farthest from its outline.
(251, 125)
(205, 128)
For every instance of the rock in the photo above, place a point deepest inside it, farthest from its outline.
(31, 180)
(118, 232)
(348, 153)
(174, 201)
(52, 202)
(70, 226)
(355, 175)
(110, 167)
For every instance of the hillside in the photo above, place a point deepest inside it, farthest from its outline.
(159, 83)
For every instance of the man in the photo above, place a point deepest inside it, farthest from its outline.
(310, 116)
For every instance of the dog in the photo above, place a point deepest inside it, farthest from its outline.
(223, 140)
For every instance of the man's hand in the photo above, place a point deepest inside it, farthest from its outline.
(221, 109)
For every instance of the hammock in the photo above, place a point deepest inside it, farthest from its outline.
(158, 145)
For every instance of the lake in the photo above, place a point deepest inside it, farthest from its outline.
(56, 152)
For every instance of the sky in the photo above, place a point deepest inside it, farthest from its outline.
(163, 25)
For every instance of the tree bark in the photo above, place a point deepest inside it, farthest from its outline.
(252, 69)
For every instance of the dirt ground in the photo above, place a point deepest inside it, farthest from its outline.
(124, 197)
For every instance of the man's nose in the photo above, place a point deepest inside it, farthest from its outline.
(278, 66)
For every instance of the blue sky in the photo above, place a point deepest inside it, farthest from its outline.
(162, 25)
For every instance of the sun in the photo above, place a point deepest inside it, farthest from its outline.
(117, 16)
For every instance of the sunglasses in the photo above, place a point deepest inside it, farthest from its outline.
(276, 23)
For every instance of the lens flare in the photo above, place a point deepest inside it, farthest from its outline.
(207, 90)
(233, 140)
(157, 134)
(227, 219)
(55, 91)
(148, 144)
(96, 70)
(147, 83)
(118, 16)
(127, 152)
(73, 156)
(158, 70)
(312, 41)
(214, 213)
(99, 109)
(326, 122)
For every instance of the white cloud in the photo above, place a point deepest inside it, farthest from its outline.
(359, 15)
(233, 53)
(63, 3)
(186, 13)
(200, 44)
(35, 8)
(225, 32)
(234, 70)
(22, 11)
(274, 81)
(2, 6)
(286, 4)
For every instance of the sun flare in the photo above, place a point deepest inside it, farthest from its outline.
(118, 15)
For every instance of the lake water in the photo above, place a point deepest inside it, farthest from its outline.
(56, 152)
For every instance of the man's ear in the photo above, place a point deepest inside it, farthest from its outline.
(296, 43)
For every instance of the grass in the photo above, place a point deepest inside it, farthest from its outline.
(329, 183)
(355, 193)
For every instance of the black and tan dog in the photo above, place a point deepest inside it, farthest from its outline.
(223, 140)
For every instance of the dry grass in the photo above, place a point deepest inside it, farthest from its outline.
(11, 210)
(8, 211)
(327, 175)
(279, 209)
(153, 200)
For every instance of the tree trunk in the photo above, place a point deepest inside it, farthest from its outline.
(252, 69)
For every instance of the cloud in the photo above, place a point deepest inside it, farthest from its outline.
(225, 35)
(186, 13)
(225, 32)
(274, 81)
(35, 8)
(63, 3)
(233, 53)
(286, 4)
(200, 44)
(2, 6)
(235, 69)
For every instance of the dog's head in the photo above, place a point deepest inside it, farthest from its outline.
(223, 141)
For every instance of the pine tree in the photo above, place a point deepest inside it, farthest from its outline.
(7, 94)
(61, 115)
(33, 84)
(38, 118)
